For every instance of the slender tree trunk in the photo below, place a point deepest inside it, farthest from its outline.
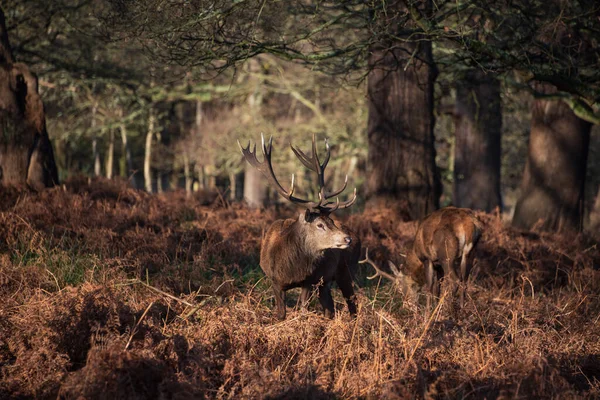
(26, 155)
(232, 186)
(126, 165)
(553, 183)
(595, 215)
(159, 182)
(148, 153)
(255, 192)
(402, 174)
(95, 152)
(187, 174)
(255, 189)
(110, 157)
(209, 177)
(477, 150)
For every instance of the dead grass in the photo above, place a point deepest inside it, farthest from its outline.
(76, 321)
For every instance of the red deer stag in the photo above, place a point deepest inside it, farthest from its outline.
(311, 249)
(443, 237)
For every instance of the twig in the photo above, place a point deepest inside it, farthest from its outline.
(427, 326)
(137, 325)
(55, 280)
(187, 303)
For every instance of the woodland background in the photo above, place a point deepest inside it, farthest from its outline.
(159, 93)
(129, 266)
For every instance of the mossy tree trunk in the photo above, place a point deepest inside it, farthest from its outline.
(26, 155)
(553, 182)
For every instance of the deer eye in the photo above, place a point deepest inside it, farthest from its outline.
(320, 226)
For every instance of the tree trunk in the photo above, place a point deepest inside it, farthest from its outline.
(553, 182)
(26, 155)
(478, 121)
(110, 156)
(401, 162)
(159, 182)
(95, 152)
(148, 153)
(255, 192)
(255, 189)
(187, 174)
(126, 165)
(595, 215)
(232, 186)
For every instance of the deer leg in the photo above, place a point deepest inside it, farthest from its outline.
(431, 282)
(326, 300)
(344, 281)
(450, 278)
(305, 296)
(279, 301)
(464, 272)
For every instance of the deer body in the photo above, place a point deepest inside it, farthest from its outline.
(294, 255)
(441, 251)
(311, 249)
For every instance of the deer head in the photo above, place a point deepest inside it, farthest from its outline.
(406, 284)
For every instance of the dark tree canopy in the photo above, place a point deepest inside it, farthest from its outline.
(546, 41)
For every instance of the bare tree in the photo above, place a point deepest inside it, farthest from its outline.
(110, 154)
(148, 150)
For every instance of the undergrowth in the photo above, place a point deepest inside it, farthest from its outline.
(108, 292)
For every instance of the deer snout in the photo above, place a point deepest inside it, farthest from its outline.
(348, 239)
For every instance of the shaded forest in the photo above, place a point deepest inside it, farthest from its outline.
(131, 225)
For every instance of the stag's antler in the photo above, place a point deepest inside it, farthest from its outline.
(312, 163)
(379, 272)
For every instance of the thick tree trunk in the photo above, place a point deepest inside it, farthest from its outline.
(553, 183)
(110, 156)
(255, 191)
(401, 168)
(26, 155)
(478, 121)
(148, 153)
(126, 166)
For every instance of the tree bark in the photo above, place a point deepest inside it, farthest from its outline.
(110, 156)
(255, 190)
(95, 152)
(26, 155)
(595, 215)
(187, 174)
(148, 153)
(126, 165)
(401, 169)
(477, 151)
(554, 178)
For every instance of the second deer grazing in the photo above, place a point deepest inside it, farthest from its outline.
(442, 250)
(310, 249)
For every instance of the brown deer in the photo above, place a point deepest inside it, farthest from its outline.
(311, 249)
(443, 237)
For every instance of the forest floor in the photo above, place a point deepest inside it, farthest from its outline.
(108, 292)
